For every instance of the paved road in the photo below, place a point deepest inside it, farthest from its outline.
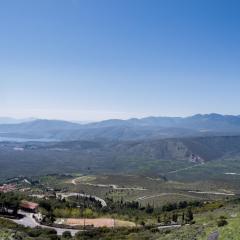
(213, 236)
(29, 221)
(114, 186)
(66, 195)
(160, 195)
(213, 193)
(170, 226)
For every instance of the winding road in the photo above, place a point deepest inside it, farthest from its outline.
(67, 195)
(213, 193)
(29, 221)
(160, 195)
(184, 169)
(114, 186)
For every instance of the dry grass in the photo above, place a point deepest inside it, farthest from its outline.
(120, 223)
(98, 222)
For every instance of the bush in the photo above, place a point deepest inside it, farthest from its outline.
(67, 234)
(221, 222)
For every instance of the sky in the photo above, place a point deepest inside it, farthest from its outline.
(97, 59)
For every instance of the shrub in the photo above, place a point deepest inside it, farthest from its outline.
(67, 234)
(221, 222)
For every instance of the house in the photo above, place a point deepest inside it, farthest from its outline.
(29, 206)
(7, 188)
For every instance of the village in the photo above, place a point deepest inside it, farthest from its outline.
(34, 209)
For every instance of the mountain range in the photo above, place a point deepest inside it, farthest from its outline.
(123, 130)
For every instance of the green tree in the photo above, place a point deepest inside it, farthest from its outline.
(222, 221)
(175, 217)
(189, 215)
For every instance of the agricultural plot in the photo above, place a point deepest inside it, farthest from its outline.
(96, 222)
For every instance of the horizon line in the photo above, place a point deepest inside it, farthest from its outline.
(31, 119)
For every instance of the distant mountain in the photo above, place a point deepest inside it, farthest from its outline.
(8, 120)
(37, 129)
(202, 122)
(132, 129)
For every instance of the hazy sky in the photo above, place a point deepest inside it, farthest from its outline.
(97, 59)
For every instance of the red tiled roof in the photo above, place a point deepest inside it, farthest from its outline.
(28, 205)
(7, 188)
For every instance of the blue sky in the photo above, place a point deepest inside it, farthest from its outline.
(98, 59)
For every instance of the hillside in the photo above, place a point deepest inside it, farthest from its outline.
(146, 157)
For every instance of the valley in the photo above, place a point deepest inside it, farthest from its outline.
(119, 188)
